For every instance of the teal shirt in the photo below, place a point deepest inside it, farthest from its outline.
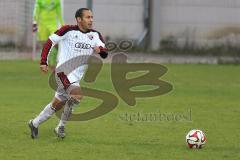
(48, 12)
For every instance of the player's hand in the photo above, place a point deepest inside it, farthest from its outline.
(34, 27)
(102, 51)
(44, 68)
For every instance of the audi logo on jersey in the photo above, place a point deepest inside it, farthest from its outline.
(82, 45)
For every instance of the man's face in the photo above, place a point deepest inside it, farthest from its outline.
(86, 21)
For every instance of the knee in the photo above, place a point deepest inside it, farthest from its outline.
(57, 104)
(74, 100)
(78, 97)
(76, 93)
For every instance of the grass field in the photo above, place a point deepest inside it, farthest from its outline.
(211, 92)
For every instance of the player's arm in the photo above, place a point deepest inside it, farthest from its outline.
(44, 56)
(54, 39)
(59, 13)
(100, 46)
(36, 13)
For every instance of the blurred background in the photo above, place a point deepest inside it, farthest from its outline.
(193, 39)
(163, 27)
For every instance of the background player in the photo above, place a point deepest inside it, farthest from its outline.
(47, 16)
(76, 40)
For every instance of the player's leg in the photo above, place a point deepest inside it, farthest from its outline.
(75, 95)
(44, 115)
(42, 35)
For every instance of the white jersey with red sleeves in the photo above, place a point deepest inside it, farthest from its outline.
(72, 43)
(75, 47)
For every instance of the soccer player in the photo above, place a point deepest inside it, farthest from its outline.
(47, 15)
(76, 40)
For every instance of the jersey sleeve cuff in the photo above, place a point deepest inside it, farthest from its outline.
(43, 63)
(103, 52)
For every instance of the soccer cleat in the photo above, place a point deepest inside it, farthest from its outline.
(59, 131)
(34, 130)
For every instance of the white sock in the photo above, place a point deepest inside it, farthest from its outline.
(46, 113)
(65, 115)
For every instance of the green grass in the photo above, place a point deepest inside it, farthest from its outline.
(210, 91)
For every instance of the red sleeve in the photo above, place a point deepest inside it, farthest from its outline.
(64, 29)
(48, 45)
(103, 49)
(45, 52)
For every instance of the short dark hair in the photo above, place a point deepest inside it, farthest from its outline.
(79, 12)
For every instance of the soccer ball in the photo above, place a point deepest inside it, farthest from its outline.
(196, 139)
